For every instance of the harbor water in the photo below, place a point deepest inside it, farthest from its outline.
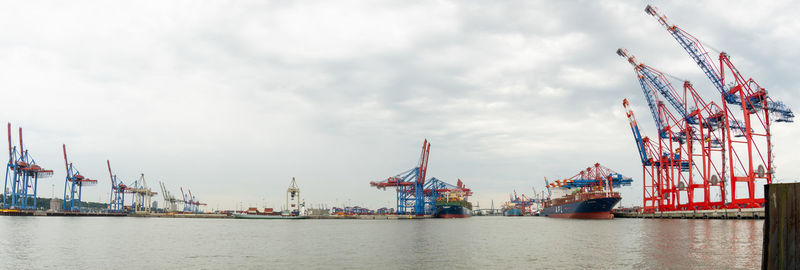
(472, 243)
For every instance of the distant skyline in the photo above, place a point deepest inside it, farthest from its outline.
(233, 99)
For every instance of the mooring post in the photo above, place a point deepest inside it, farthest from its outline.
(781, 226)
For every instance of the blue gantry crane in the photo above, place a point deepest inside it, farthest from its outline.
(22, 173)
(414, 194)
(410, 185)
(118, 189)
(73, 185)
(187, 202)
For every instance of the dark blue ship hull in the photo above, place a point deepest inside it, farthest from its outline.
(599, 208)
(452, 211)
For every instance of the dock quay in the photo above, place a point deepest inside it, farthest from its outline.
(38, 213)
(6, 212)
(745, 213)
(182, 215)
(394, 217)
(83, 214)
(373, 217)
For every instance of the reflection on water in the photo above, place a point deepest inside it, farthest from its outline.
(702, 243)
(474, 243)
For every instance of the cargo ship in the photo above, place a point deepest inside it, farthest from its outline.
(255, 213)
(267, 216)
(453, 205)
(585, 205)
(587, 195)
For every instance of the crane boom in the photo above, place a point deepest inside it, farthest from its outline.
(111, 175)
(649, 94)
(701, 57)
(657, 80)
(9, 141)
(637, 135)
(66, 163)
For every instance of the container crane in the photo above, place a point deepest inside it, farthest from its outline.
(755, 163)
(187, 202)
(169, 199)
(702, 125)
(73, 185)
(25, 174)
(673, 134)
(141, 196)
(409, 185)
(650, 193)
(118, 190)
(521, 202)
(596, 177)
(195, 203)
(415, 195)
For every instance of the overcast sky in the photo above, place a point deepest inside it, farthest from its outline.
(233, 99)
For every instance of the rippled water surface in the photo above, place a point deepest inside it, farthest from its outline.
(473, 243)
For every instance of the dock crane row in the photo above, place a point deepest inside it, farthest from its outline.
(22, 173)
(415, 195)
(701, 124)
(707, 148)
(73, 185)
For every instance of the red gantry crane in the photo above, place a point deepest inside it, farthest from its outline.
(712, 147)
(750, 155)
(692, 157)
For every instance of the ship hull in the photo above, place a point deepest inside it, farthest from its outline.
(598, 208)
(452, 211)
(513, 212)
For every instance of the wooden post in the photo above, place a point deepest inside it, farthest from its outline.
(781, 226)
